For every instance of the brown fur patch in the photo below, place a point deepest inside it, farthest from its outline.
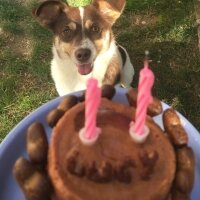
(112, 75)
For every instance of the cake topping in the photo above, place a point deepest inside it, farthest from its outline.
(75, 166)
(100, 174)
(123, 173)
(103, 172)
(148, 159)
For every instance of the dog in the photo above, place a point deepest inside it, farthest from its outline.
(84, 45)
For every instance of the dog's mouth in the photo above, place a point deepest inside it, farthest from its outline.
(84, 69)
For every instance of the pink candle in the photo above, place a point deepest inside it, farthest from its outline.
(92, 101)
(144, 98)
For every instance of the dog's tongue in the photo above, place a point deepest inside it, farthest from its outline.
(84, 69)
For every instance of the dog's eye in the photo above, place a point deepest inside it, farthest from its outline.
(95, 28)
(67, 30)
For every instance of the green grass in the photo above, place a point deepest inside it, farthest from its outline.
(166, 28)
(77, 3)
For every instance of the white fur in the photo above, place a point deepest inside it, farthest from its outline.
(127, 73)
(67, 78)
(81, 10)
(86, 44)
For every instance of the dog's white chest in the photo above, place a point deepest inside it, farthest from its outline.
(66, 77)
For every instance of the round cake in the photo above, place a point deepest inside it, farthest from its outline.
(115, 167)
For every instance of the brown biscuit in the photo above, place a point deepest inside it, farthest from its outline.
(184, 181)
(68, 102)
(185, 170)
(185, 158)
(35, 184)
(37, 144)
(170, 118)
(154, 108)
(176, 195)
(54, 116)
(22, 170)
(174, 129)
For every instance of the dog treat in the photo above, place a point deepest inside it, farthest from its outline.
(154, 108)
(37, 145)
(170, 118)
(185, 170)
(180, 196)
(54, 116)
(68, 102)
(22, 170)
(174, 129)
(184, 181)
(34, 183)
(114, 163)
(185, 158)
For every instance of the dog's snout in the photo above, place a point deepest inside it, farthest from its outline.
(83, 55)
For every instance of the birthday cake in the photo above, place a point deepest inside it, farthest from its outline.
(115, 166)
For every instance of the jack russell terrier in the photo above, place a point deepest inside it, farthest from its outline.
(84, 45)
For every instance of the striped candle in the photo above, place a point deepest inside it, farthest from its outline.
(144, 98)
(92, 101)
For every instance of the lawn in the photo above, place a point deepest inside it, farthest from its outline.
(166, 28)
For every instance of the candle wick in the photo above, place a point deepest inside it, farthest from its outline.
(146, 60)
(146, 63)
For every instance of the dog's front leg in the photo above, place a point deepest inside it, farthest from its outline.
(112, 75)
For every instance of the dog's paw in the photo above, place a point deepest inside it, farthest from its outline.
(107, 91)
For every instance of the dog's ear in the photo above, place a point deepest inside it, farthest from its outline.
(48, 12)
(111, 9)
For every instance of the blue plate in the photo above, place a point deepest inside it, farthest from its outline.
(14, 146)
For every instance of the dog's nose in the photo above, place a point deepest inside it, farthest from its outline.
(83, 55)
